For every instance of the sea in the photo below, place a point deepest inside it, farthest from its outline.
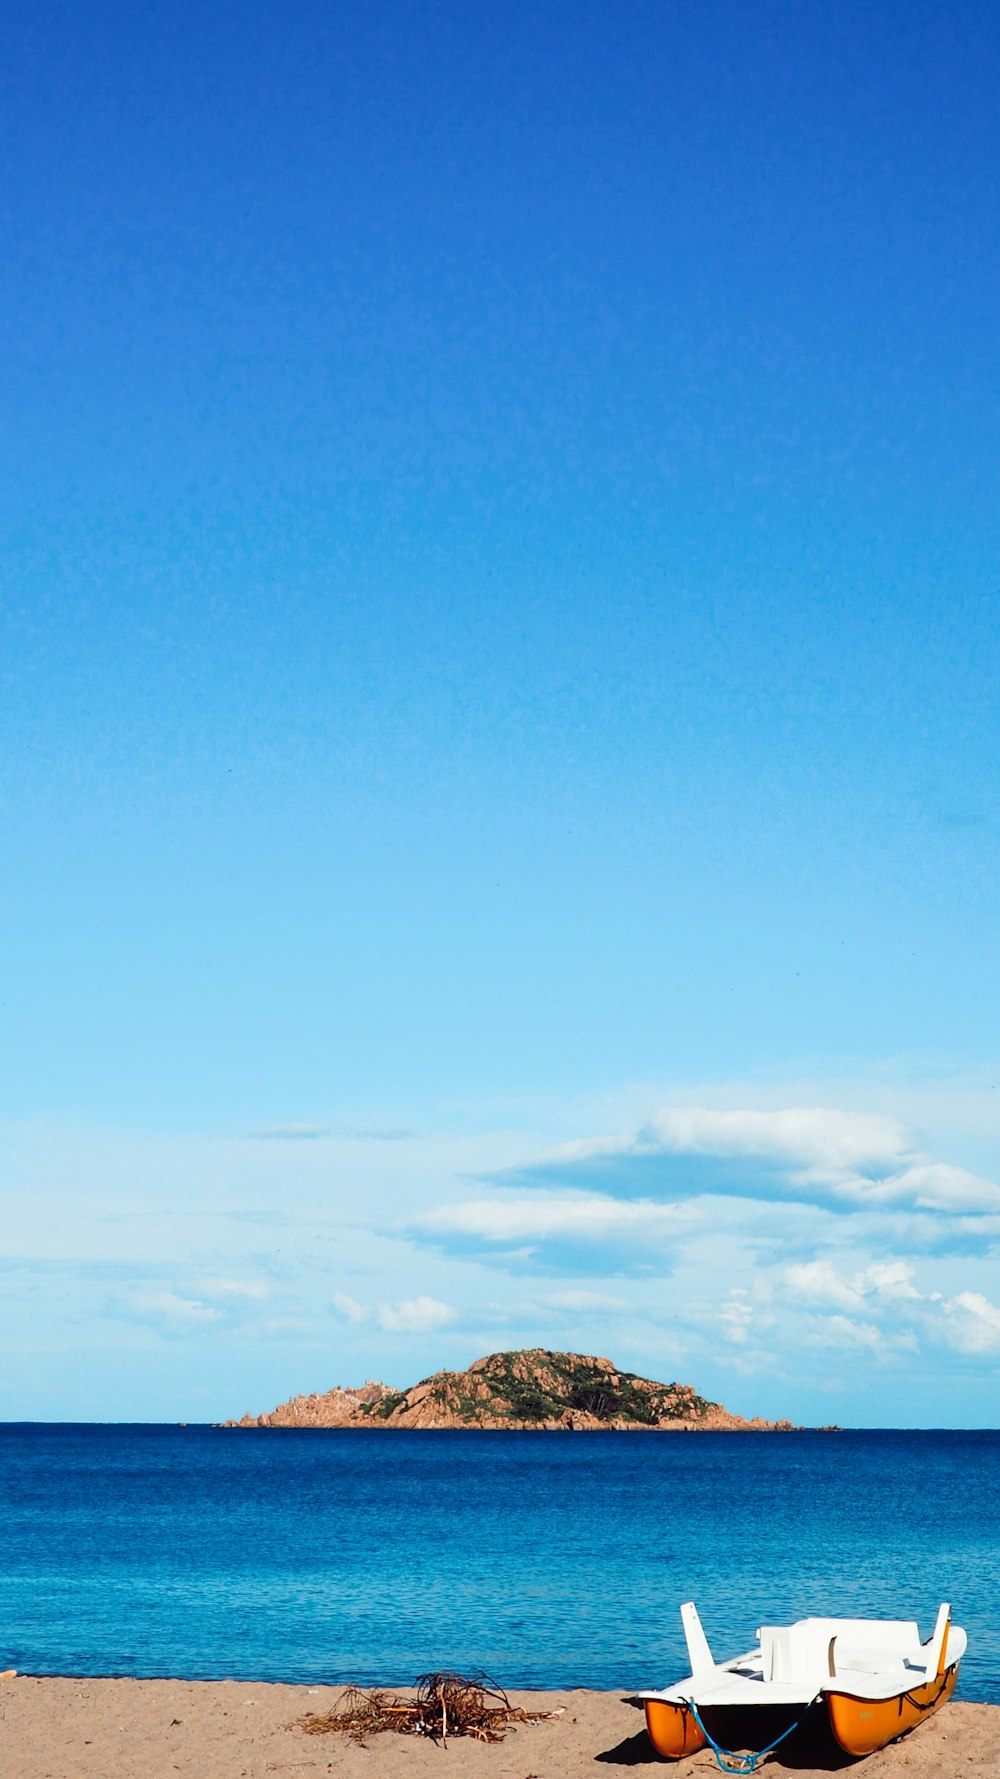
(542, 1559)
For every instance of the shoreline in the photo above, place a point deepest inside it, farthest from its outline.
(61, 1728)
(502, 1427)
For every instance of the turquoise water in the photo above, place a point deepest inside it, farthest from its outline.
(547, 1559)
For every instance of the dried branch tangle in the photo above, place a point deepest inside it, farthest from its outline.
(443, 1705)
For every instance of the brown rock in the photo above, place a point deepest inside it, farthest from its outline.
(534, 1388)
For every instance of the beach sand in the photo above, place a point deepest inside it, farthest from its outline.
(157, 1729)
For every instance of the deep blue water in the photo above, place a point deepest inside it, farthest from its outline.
(547, 1559)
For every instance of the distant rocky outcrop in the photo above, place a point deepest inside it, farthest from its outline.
(530, 1389)
(343, 1406)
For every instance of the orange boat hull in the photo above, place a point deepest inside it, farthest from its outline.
(672, 1729)
(859, 1726)
(863, 1725)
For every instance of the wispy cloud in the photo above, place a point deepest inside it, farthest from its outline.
(170, 1309)
(584, 1301)
(842, 1331)
(251, 1290)
(345, 1133)
(736, 1315)
(575, 1233)
(374, 1133)
(290, 1133)
(349, 1308)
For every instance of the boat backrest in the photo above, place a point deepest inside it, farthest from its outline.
(701, 1657)
(775, 1652)
(937, 1654)
(810, 1649)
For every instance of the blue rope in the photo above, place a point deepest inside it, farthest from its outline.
(726, 1760)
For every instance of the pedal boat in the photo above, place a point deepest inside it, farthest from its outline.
(873, 1676)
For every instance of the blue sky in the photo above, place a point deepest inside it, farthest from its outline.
(498, 702)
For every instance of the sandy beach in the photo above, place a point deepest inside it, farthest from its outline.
(156, 1729)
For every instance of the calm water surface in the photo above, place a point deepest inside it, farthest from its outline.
(547, 1559)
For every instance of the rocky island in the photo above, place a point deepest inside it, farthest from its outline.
(520, 1390)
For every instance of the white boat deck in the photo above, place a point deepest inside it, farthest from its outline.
(793, 1664)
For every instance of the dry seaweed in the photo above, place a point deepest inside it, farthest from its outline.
(444, 1704)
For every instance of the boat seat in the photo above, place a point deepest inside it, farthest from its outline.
(865, 1659)
(805, 1650)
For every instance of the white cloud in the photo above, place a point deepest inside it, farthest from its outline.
(543, 1215)
(745, 1316)
(841, 1331)
(736, 1316)
(863, 1158)
(937, 1186)
(811, 1136)
(972, 1323)
(415, 1315)
(349, 1307)
(969, 1321)
(169, 1306)
(889, 1278)
(818, 1282)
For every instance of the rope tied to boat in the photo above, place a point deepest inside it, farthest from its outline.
(928, 1704)
(726, 1759)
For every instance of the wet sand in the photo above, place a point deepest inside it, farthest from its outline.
(157, 1729)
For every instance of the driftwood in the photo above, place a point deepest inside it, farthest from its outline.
(443, 1705)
